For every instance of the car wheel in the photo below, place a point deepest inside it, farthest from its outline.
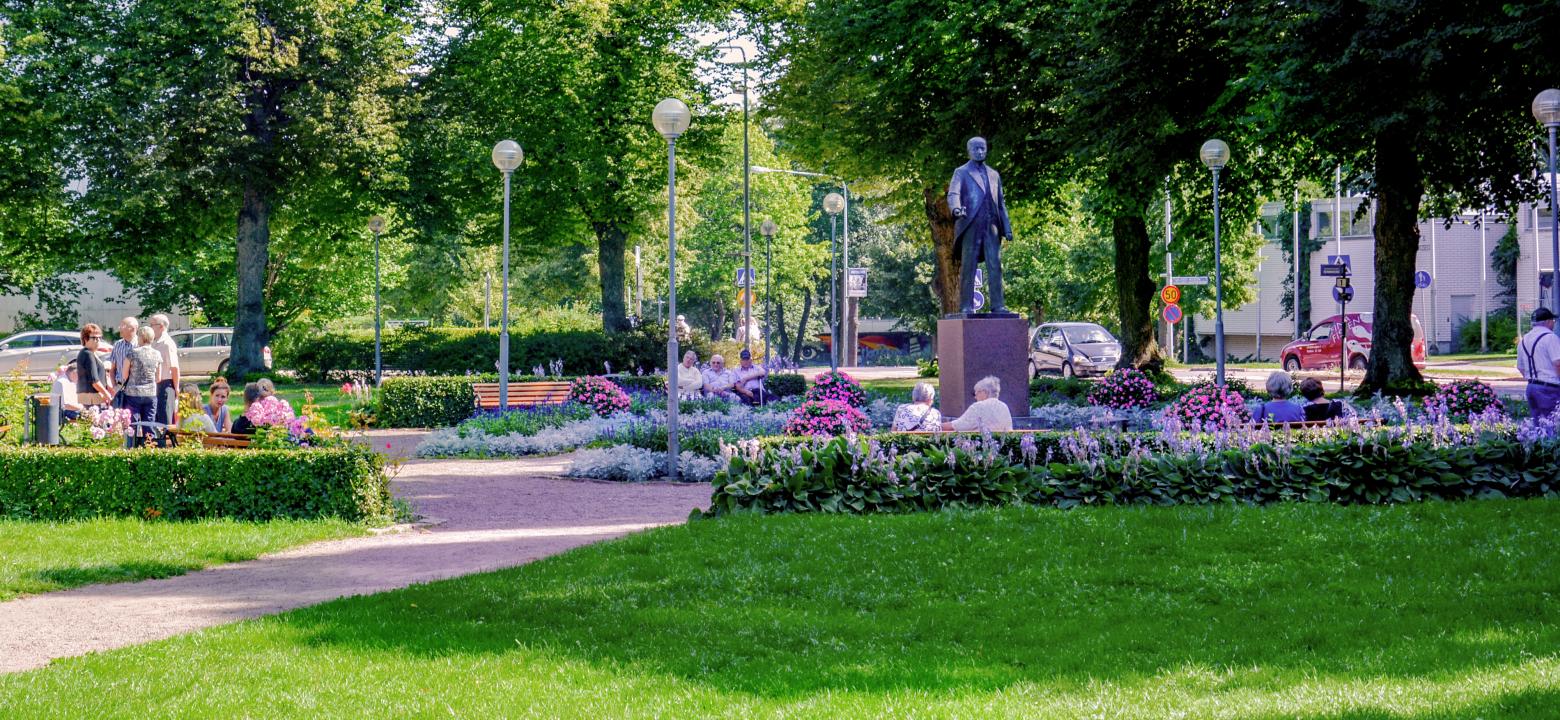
(1357, 363)
(1291, 364)
(222, 368)
(1067, 370)
(1034, 372)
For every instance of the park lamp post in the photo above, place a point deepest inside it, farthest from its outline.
(671, 118)
(747, 209)
(833, 203)
(1216, 154)
(768, 230)
(1546, 109)
(844, 187)
(506, 157)
(376, 225)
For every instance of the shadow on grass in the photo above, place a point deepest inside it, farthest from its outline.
(76, 576)
(974, 602)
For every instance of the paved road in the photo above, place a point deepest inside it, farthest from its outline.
(495, 513)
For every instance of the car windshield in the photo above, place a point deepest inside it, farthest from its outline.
(1087, 334)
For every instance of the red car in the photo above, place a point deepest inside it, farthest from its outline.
(1320, 349)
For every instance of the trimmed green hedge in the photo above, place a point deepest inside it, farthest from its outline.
(459, 351)
(187, 483)
(426, 401)
(909, 473)
(786, 384)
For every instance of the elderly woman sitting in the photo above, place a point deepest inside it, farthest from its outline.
(988, 413)
(1279, 409)
(918, 414)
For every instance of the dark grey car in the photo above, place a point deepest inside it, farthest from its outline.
(1072, 348)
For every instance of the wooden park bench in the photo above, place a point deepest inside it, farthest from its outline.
(525, 394)
(212, 440)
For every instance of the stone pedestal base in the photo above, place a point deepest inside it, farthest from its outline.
(970, 348)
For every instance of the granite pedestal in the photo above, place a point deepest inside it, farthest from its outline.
(970, 347)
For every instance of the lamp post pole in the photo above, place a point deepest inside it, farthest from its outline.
(747, 208)
(1216, 154)
(376, 225)
(844, 206)
(671, 118)
(768, 230)
(507, 156)
(833, 204)
(1546, 109)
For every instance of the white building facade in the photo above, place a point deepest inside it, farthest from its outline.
(1463, 285)
(103, 301)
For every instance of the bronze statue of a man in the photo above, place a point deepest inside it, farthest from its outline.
(976, 199)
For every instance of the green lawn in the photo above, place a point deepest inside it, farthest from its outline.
(332, 404)
(1304, 611)
(38, 557)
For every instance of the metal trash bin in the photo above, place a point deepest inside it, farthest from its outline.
(46, 420)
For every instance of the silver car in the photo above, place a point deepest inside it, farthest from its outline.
(1072, 348)
(205, 351)
(36, 353)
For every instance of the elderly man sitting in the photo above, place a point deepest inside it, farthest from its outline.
(718, 380)
(988, 413)
(750, 379)
(690, 380)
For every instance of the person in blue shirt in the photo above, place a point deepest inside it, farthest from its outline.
(1279, 409)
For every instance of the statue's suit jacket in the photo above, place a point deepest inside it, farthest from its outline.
(985, 207)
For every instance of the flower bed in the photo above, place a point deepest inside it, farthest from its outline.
(48, 483)
(1349, 463)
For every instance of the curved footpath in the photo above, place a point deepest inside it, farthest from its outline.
(490, 514)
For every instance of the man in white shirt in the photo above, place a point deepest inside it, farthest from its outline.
(119, 356)
(63, 394)
(168, 374)
(988, 413)
(1538, 359)
(718, 381)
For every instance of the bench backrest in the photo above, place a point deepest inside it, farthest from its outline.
(236, 441)
(521, 394)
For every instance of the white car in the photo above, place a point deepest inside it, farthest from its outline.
(205, 351)
(37, 353)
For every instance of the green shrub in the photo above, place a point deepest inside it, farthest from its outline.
(13, 409)
(927, 368)
(426, 401)
(459, 351)
(883, 474)
(1418, 389)
(1502, 333)
(1047, 390)
(187, 483)
(785, 384)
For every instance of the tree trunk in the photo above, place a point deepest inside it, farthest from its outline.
(782, 338)
(945, 278)
(801, 327)
(611, 243)
(720, 322)
(250, 334)
(1135, 293)
(1399, 186)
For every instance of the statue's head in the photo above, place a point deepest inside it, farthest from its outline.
(977, 148)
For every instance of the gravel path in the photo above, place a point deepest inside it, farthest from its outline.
(493, 514)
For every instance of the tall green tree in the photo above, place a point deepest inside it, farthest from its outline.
(574, 84)
(919, 79)
(34, 213)
(201, 129)
(1428, 99)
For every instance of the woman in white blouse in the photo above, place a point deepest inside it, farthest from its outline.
(988, 413)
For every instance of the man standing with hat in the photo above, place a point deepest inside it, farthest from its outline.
(1538, 359)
